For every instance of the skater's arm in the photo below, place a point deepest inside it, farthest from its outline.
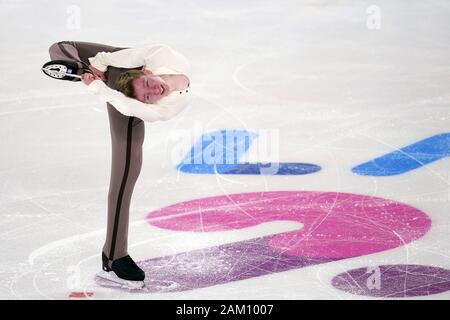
(149, 57)
(165, 109)
(126, 58)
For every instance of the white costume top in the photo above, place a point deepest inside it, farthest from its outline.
(159, 59)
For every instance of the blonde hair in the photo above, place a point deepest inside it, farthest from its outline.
(124, 83)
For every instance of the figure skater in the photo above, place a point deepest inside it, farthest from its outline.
(148, 84)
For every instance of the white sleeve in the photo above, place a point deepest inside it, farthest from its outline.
(125, 58)
(150, 57)
(165, 109)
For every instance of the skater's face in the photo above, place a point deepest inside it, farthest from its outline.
(149, 88)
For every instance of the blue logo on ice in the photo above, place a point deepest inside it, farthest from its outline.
(219, 152)
(407, 158)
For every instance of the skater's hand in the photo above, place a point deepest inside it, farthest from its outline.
(87, 78)
(97, 73)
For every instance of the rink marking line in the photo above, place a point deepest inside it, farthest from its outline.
(62, 106)
(35, 286)
(38, 94)
(47, 165)
(396, 149)
(408, 158)
(61, 242)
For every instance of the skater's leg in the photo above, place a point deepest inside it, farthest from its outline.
(127, 137)
(78, 52)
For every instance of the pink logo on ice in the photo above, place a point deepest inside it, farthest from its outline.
(335, 225)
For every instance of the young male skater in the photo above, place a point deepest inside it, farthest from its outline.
(138, 84)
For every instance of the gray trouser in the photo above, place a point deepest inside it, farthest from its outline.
(127, 137)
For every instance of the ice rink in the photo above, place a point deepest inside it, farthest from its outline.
(353, 98)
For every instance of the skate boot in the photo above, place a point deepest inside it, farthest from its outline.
(123, 272)
(64, 70)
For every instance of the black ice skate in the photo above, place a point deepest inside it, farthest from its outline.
(64, 70)
(124, 272)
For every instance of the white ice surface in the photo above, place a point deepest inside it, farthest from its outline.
(338, 92)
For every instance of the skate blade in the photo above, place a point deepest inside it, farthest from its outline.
(118, 282)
